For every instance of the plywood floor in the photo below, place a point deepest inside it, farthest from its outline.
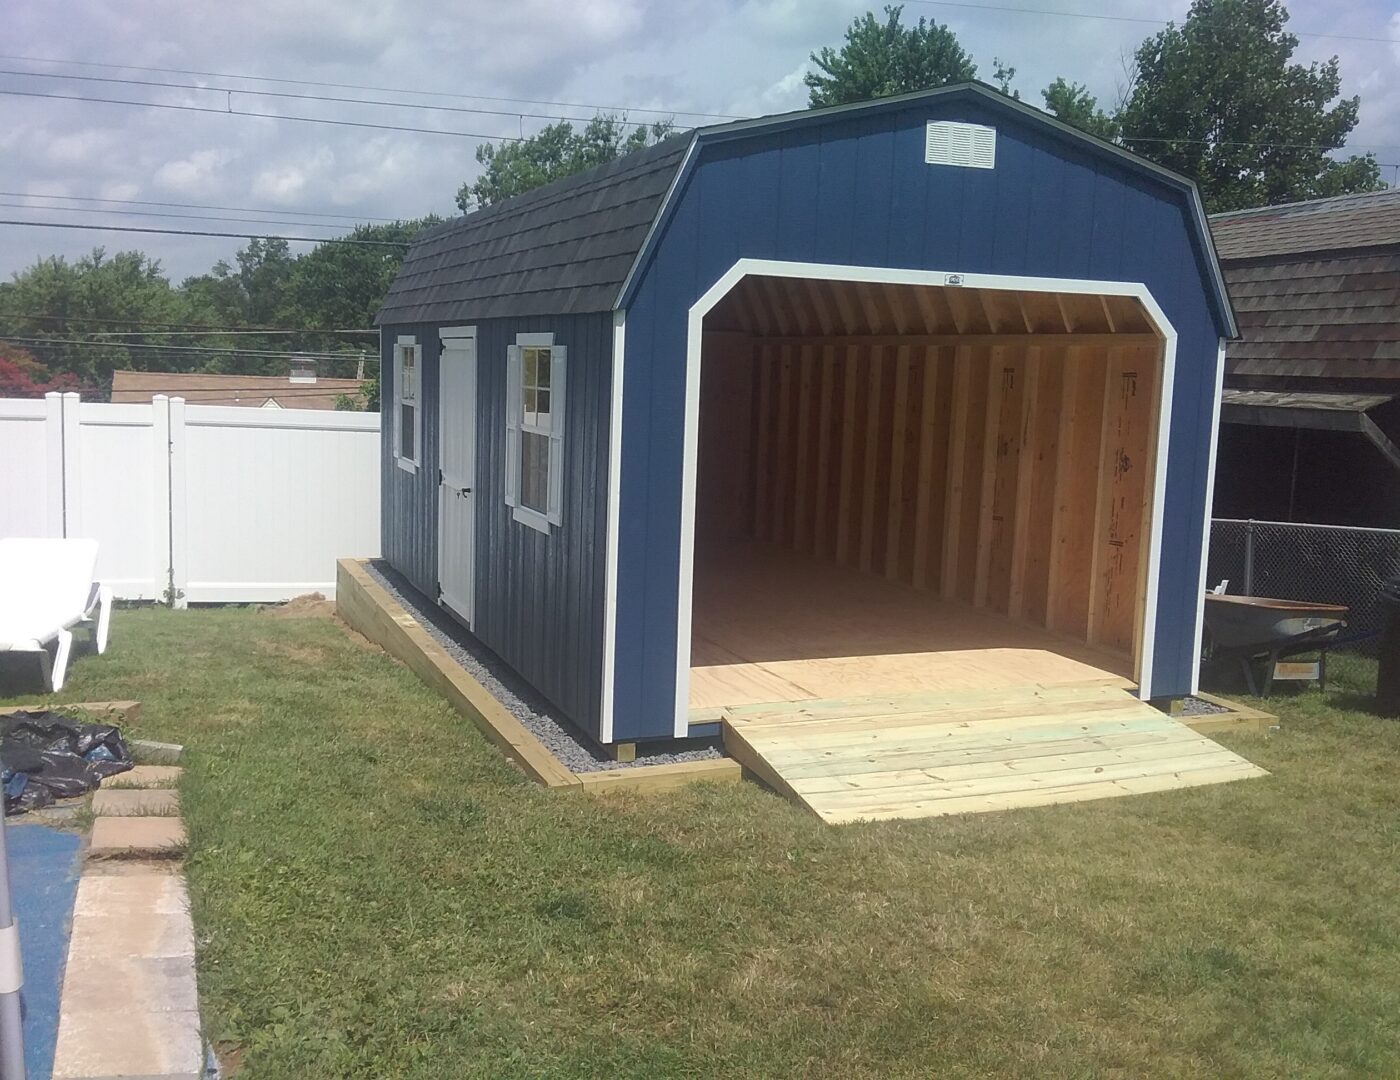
(925, 755)
(771, 625)
(863, 700)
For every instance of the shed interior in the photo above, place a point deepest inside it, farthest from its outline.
(904, 488)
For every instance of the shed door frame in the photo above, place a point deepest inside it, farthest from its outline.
(894, 276)
(456, 569)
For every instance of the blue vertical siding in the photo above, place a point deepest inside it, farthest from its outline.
(1051, 208)
(539, 599)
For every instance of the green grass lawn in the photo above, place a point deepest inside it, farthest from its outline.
(377, 894)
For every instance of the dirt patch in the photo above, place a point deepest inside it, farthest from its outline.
(309, 606)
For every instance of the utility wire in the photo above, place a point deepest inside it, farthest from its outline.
(308, 97)
(230, 111)
(82, 343)
(355, 218)
(211, 327)
(181, 217)
(204, 232)
(968, 5)
(375, 89)
(512, 138)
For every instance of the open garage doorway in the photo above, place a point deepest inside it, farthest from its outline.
(910, 488)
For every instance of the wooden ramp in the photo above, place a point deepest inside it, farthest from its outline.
(923, 755)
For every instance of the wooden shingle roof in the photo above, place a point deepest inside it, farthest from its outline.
(1342, 223)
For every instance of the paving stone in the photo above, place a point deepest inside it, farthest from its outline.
(136, 802)
(119, 1041)
(136, 837)
(150, 752)
(137, 983)
(145, 776)
(123, 918)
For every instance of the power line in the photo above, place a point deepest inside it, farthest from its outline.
(211, 327)
(203, 232)
(375, 89)
(967, 4)
(196, 206)
(305, 97)
(82, 343)
(230, 111)
(160, 214)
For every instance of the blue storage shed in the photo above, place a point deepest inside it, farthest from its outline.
(886, 398)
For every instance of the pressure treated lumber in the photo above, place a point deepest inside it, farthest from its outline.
(936, 754)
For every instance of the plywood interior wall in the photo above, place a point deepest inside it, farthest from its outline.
(1010, 471)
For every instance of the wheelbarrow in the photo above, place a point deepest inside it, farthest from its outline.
(1250, 627)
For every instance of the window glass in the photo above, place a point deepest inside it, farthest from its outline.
(407, 418)
(534, 471)
(534, 379)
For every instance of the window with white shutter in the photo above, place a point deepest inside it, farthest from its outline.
(408, 439)
(535, 380)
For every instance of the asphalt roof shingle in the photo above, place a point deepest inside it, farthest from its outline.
(1315, 286)
(561, 249)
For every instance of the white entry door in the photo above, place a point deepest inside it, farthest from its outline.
(457, 473)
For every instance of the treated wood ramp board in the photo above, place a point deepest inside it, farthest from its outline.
(930, 754)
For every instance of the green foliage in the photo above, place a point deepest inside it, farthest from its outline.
(1073, 104)
(52, 299)
(124, 301)
(558, 151)
(1219, 99)
(1003, 74)
(884, 58)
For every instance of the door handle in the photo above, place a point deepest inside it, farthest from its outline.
(464, 491)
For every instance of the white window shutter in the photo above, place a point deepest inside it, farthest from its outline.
(558, 398)
(513, 398)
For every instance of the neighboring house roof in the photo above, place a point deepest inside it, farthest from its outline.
(577, 245)
(1342, 223)
(252, 391)
(1316, 287)
(560, 249)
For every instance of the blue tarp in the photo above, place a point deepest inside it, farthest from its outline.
(44, 866)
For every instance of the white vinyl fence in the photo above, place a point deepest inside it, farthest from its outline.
(202, 503)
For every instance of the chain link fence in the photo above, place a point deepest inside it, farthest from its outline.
(1330, 564)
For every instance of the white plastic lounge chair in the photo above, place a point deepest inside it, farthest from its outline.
(46, 588)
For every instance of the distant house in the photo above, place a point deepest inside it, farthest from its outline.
(1311, 407)
(299, 389)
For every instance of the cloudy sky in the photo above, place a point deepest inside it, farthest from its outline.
(653, 57)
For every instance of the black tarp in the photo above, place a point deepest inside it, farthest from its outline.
(47, 755)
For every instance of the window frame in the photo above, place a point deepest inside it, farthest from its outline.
(516, 428)
(401, 344)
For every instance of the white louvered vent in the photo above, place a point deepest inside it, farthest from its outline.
(970, 146)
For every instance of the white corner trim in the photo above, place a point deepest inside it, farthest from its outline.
(619, 347)
(893, 276)
(1210, 509)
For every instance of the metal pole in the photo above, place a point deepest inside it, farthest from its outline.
(1249, 558)
(11, 976)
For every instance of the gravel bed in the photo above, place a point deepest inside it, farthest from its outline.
(1194, 706)
(569, 745)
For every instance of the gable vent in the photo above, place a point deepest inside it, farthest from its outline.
(970, 146)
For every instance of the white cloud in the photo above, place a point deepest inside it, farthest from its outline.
(197, 174)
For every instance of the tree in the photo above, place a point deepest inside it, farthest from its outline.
(1218, 98)
(1073, 104)
(881, 59)
(555, 152)
(100, 299)
(23, 376)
